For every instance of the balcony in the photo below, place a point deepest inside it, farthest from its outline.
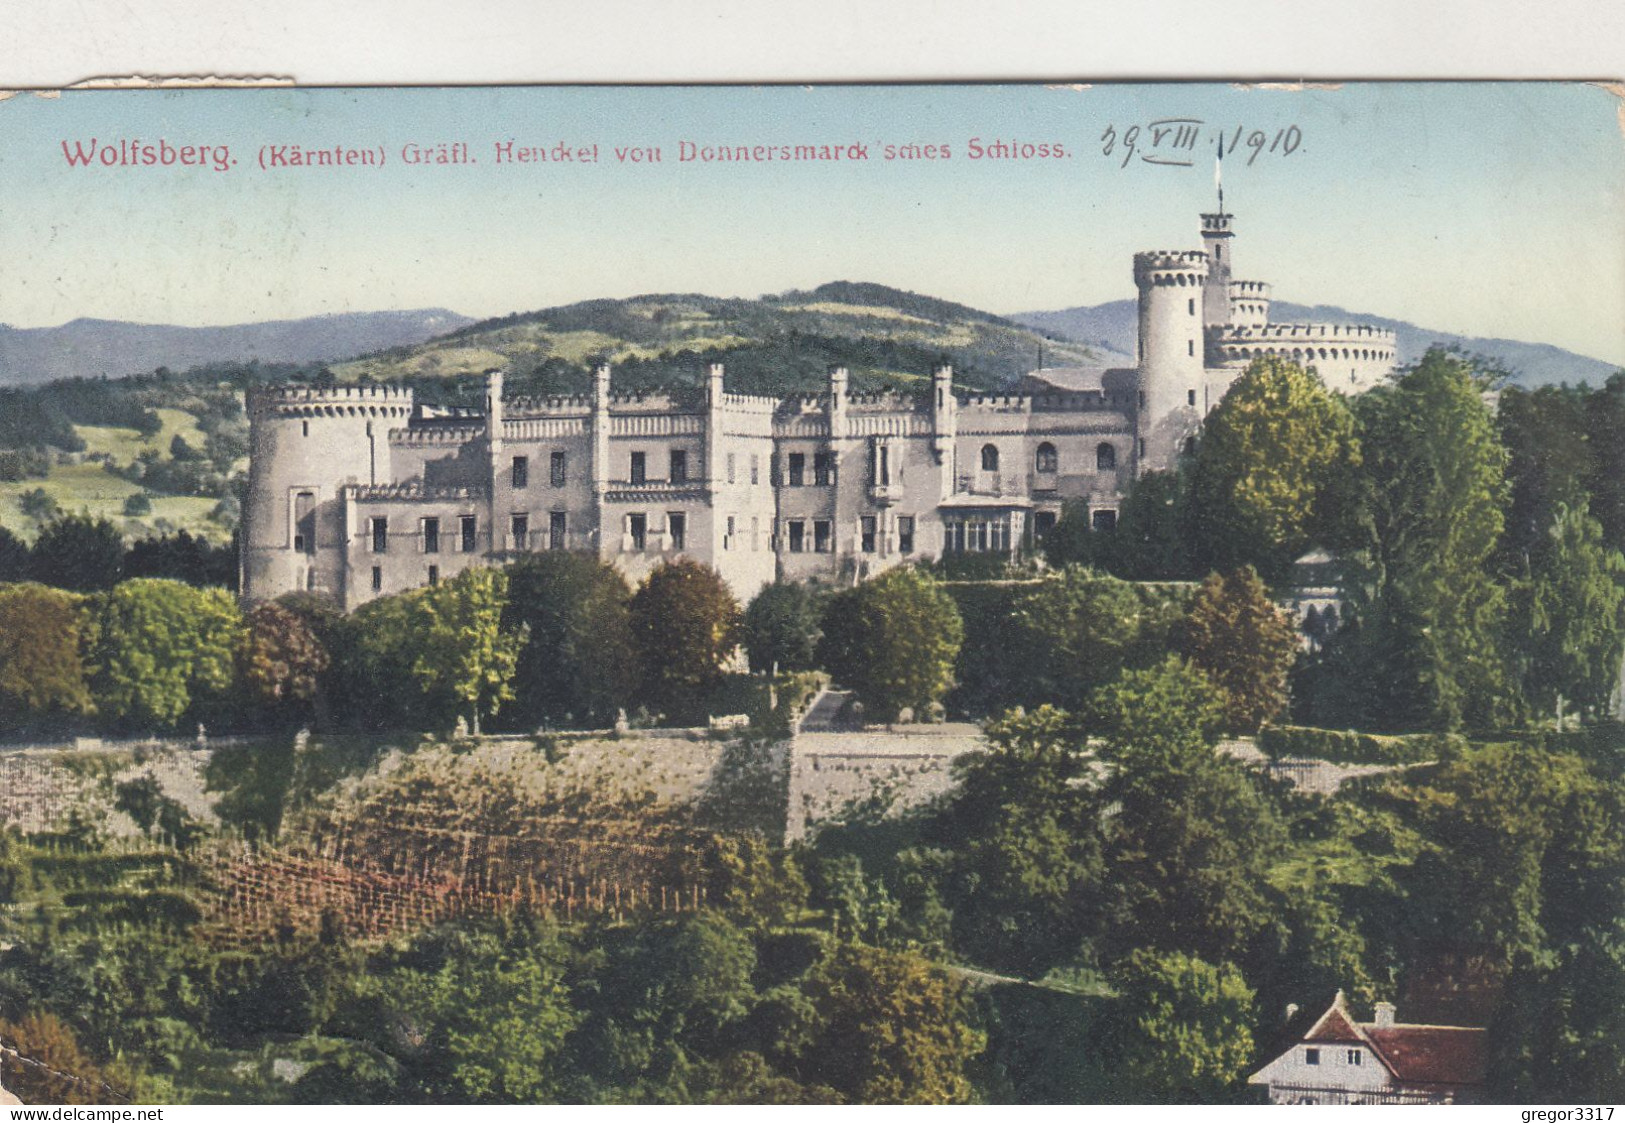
(886, 494)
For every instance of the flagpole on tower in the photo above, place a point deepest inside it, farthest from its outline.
(1218, 173)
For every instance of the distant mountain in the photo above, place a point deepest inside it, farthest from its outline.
(1115, 326)
(776, 345)
(91, 348)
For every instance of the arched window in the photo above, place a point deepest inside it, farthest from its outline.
(1047, 461)
(990, 458)
(1106, 457)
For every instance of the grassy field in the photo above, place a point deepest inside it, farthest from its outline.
(124, 445)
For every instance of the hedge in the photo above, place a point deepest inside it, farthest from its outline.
(1345, 746)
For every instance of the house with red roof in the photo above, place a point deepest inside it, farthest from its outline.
(1341, 1061)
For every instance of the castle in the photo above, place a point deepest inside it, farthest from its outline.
(358, 491)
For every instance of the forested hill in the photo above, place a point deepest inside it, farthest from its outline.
(778, 344)
(1113, 327)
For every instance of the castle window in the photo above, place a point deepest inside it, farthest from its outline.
(1311, 1056)
(429, 542)
(730, 467)
(1106, 458)
(557, 469)
(867, 533)
(677, 529)
(1192, 303)
(555, 530)
(821, 543)
(679, 466)
(821, 469)
(304, 524)
(798, 535)
(1047, 461)
(434, 575)
(1043, 523)
(521, 532)
(377, 578)
(728, 538)
(883, 465)
(1103, 520)
(638, 527)
(1190, 347)
(1190, 397)
(469, 527)
(521, 471)
(798, 468)
(755, 469)
(755, 531)
(380, 534)
(990, 458)
(905, 534)
(304, 428)
(640, 468)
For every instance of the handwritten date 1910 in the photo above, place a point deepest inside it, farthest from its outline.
(1173, 141)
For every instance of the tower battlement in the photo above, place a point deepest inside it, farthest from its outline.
(330, 401)
(1168, 267)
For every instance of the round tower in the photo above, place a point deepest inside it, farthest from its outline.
(304, 444)
(1171, 287)
(1249, 303)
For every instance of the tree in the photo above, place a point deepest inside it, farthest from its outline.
(1549, 464)
(1605, 442)
(1184, 1028)
(1432, 494)
(163, 648)
(183, 557)
(14, 563)
(888, 1028)
(686, 626)
(781, 628)
(459, 649)
(80, 553)
(1569, 617)
(1076, 632)
(1189, 849)
(1267, 467)
(1149, 542)
(579, 661)
(1024, 833)
(281, 660)
(893, 641)
(137, 505)
(62, 1072)
(1244, 644)
(38, 505)
(42, 639)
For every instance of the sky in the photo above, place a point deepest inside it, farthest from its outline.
(1484, 209)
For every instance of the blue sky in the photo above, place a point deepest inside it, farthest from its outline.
(1484, 209)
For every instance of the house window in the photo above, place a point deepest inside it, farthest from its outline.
(821, 469)
(867, 527)
(905, 534)
(640, 468)
(677, 527)
(380, 534)
(434, 575)
(469, 527)
(730, 467)
(555, 530)
(990, 458)
(820, 536)
(798, 536)
(1047, 461)
(557, 469)
(521, 471)
(377, 578)
(1103, 520)
(521, 532)
(1356, 1057)
(431, 536)
(679, 466)
(1311, 1056)
(755, 468)
(798, 468)
(638, 527)
(1105, 458)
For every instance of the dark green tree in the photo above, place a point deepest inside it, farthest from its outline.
(579, 662)
(78, 552)
(1605, 442)
(14, 563)
(1184, 1029)
(781, 628)
(893, 641)
(1150, 541)
(685, 622)
(1549, 464)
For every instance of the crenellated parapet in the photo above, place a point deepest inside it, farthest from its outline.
(1170, 267)
(301, 401)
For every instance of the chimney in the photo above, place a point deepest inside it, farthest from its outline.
(1385, 1015)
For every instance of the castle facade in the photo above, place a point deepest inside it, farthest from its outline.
(358, 491)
